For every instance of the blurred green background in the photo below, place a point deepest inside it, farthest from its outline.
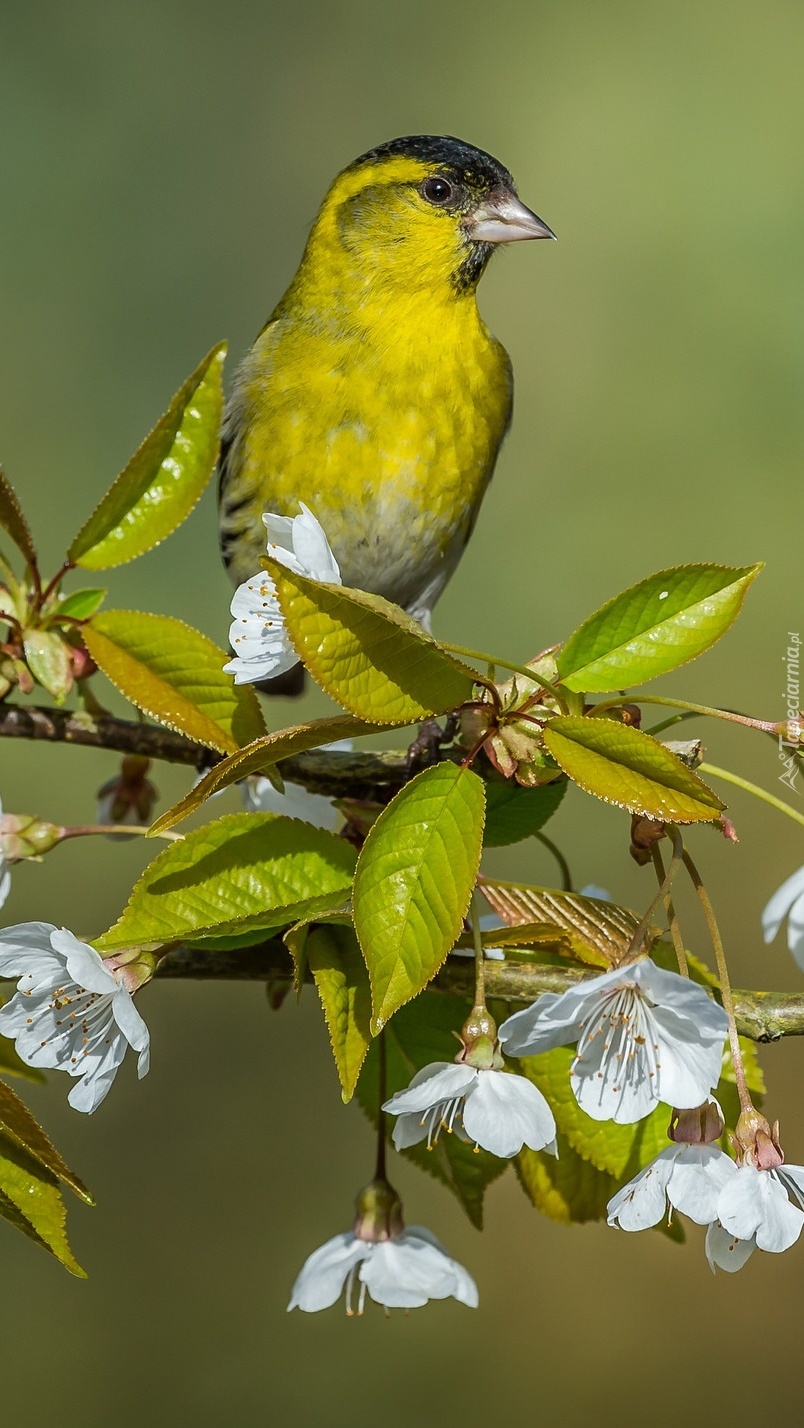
(160, 165)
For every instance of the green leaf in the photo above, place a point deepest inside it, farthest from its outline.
(17, 1124)
(597, 933)
(164, 478)
(618, 1150)
(80, 604)
(242, 871)
(14, 523)
(30, 1171)
(514, 813)
(569, 1190)
(420, 1033)
(414, 879)
(174, 674)
(653, 627)
(367, 653)
(30, 1200)
(48, 659)
(261, 756)
(623, 766)
(339, 973)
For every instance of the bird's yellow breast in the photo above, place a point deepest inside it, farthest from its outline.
(388, 430)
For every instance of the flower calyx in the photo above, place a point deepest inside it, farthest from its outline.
(756, 1142)
(700, 1125)
(480, 1048)
(378, 1213)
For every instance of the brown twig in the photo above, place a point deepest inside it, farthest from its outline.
(761, 1016)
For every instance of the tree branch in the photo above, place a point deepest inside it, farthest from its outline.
(761, 1016)
(371, 776)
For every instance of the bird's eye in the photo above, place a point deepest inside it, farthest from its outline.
(437, 190)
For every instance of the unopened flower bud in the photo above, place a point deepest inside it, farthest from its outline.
(699, 1126)
(378, 1214)
(129, 797)
(644, 833)
(23, 836)
(757, 1142)
(479, 1045)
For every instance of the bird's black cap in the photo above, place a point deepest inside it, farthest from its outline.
(468, 164)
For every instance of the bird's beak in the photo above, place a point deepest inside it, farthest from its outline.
(503, 219)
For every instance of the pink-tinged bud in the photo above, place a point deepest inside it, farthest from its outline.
(479, 1047)
(22, 836)
(728, 830)
(378, 1213)
(82, 664)
(756, 1142)
(133, 968)
(700, 1126)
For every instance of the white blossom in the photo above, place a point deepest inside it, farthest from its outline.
(403, 1272)
(787, 902)
(71, 1011)
(756, 1209)
(494, 1109)
(644, 1035)
(688, 1177)
(258, 634)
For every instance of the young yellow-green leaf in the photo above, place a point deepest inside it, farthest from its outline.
(339, 973)
(48, 659)
(623, 766)
(420, 1033)
(30, 1200)
(598, 933)
(17, 1124)
(413, 882)
(164, 478)
(619, 1150)
(80, 604)
(174, 674)
(367, 653)
(653, 627)
(569, 1190)
(261, 756)
(13, 521)
(514, 813)
(243, 871)
(657, 625)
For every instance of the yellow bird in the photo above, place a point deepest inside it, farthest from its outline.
(375, 392)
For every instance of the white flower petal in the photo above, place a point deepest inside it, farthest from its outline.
(324, 1273)
(503, 1112)
(755, 1204)
(438, 1082)
(697, 1177)
(311, 548)
(643, 1201)
(688, 1060)
(792, 1178)
(780, 904)
(70, 1011)
(83, 964)
(536, 1028)
(260, 796)
(725, 1250)
(5, 880)
(404, 1273)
